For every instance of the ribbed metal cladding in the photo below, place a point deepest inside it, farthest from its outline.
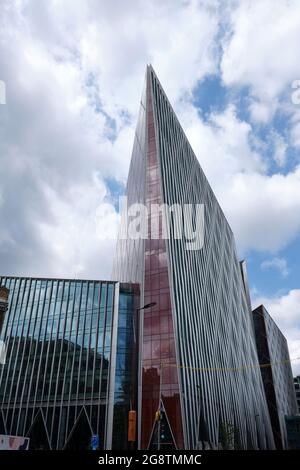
(278, 379)
(216, 357)
(216, 352)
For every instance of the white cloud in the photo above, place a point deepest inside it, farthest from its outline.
(115, 42)
(75, 234)
(262, 112)
(73, 71)
(280, 149)
(262, 48)
(285, 309)
(263, 210)
(222, 144)
(276, 263)
(260, 52)
(295, 134)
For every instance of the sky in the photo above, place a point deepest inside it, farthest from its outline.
(74, 72)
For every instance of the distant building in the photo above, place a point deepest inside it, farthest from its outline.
(70, 369)
(293, 432)
(297, 391)
(276, 372)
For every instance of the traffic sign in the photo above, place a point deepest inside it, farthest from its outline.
(95, 442)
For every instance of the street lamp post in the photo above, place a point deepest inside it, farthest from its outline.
(136, 330)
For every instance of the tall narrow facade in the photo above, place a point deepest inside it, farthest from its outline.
(198, 359)
(272, 349)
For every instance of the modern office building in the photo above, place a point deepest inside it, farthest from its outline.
(276, 371)
(70, 364)
(297, 391)
(198, 359)
(171, 339)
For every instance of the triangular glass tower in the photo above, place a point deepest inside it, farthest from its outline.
(197, 348)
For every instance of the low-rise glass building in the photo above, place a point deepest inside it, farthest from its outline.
(276, 371)
(69, 371)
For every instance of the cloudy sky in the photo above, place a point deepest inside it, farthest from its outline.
(74, 72)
